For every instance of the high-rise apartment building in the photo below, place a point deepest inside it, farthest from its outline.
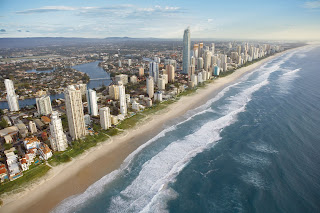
(122, 99)
(58, 138)
(32, 127)
(186, 51)
(154, 70)
(75, 114)
(150, 86)
(92, 102)
(171, 73)
(114, 92)
(11, 96)
(44, 105)
(105, 118)
(123, 78)
(141, 71)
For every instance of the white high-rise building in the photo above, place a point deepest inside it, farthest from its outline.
(162, 83)
(150, 87)
(75, 114)
(11, 96)
(92, 102)
(58, 138)
(122, 99)
(32, 127)
(44, 105)
(105, 118)
(123, 78)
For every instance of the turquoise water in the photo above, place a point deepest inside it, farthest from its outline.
(254, 147)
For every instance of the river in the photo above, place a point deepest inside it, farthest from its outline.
(97, 74)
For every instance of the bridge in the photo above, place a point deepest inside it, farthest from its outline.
(96, 79)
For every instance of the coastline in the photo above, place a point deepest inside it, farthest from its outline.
(74, 177)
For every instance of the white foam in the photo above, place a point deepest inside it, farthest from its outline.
(262, 147)
(252, 160)
(255, 179)
(147, 191)
(285, 81)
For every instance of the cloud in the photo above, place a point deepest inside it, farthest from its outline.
(312, 4)
(2, 30)
(19, 31)
(47, 9)
(114, 9)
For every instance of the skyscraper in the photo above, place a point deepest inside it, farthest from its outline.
(11, 96)
(171, 74)
(105, 118)
(92, 102)
(150, 87)
(58, 139)
(141, 71)
(75, 115)
(122, 99)
(154, 70)
(44, 105)
(186, 51)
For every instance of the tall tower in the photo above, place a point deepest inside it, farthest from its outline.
(75, 115)
(105, 118)
(154, 70)
(122, 99)
(44, 105)
(92, 102)
(11, 96)
(58, 139)
(171, 74)
(150, 87)
(186, 51)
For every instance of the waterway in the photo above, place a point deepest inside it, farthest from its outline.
(97, 74)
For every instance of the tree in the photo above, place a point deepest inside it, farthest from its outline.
(1, 112)
(3, 123)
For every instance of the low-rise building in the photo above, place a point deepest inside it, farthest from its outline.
(3, 173)
(44, 151)
(31, 142)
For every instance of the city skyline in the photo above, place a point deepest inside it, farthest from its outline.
(280, 20)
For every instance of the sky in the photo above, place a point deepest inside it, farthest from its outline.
(220, 19)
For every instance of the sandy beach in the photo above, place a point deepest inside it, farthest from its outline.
(76, 176)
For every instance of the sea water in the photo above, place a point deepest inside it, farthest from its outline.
(254, 147)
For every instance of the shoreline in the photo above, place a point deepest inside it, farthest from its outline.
(76, 176)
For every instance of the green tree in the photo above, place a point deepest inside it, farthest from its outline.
(3, 123)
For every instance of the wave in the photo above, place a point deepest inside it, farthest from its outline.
(252, 160)
(262, 147)
(150, 189)
(255, 179)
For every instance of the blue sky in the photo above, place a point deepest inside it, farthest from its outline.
(229, 19)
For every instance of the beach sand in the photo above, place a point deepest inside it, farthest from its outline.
(76, 176)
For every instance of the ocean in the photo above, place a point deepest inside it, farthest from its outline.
(254, 147)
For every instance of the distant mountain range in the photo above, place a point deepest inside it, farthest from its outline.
(63, 41)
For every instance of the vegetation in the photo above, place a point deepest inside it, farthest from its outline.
(80, 146)
(29, 175)
(64, 121)
(131, 122)
(3, 123)
(7, 146)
